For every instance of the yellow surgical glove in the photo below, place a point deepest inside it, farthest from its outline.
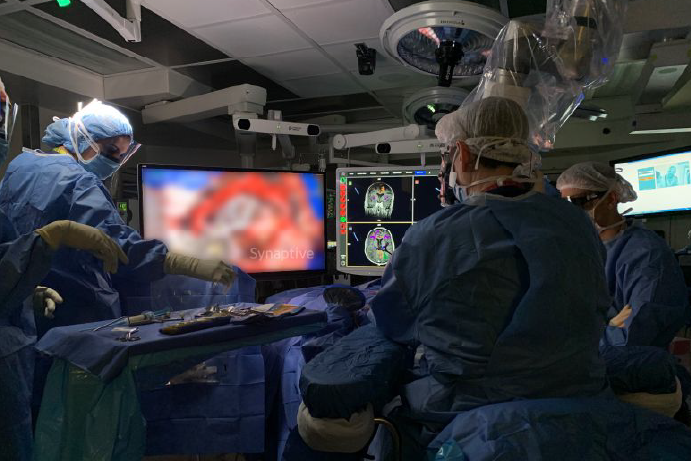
(619, 319)
(45, 300)
(81, 237)
(212, 270)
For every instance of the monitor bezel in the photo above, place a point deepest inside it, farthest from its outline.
(368, 271)
(664, 153)
(256, 275)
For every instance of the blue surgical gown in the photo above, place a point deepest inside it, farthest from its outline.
(642, 272)
(24, 262)
(508, 298)
(40, 188)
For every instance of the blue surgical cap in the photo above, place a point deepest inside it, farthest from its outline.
(97, 119)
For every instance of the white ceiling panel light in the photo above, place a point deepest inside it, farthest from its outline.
(448, 38)
(427, 106)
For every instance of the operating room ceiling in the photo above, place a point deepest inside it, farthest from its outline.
(297, 49)
(303, 53)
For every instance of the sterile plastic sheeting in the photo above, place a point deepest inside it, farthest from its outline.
(576, 429)
(546, 63)
(364, 367)
(633, 369)
(178, 292)
(289, 296)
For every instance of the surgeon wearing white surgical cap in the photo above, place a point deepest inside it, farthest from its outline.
(505, 290)
(487, 146)
(650, 300)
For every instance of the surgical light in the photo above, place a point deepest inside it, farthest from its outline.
(427, 106)
(447, 39)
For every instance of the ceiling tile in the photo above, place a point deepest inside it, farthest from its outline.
(253, 37)
(325, 85)
(341, 21)
(344, 53)
(202, 12)
(292, 65)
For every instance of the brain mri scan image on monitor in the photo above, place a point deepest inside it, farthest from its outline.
(379, 200)
(376, 206)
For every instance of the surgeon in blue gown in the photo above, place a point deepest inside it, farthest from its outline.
(67, 183)
(24, 262)
(649, 294)
(650, 298)
(504, 290)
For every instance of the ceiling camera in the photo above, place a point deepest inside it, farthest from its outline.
(366, 59)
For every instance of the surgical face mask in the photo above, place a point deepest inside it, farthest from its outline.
(461, 192)
(591, 213)
(101, 166)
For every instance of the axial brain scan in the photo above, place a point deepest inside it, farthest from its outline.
(379, 246)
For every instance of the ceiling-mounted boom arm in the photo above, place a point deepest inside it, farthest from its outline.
(130, 28)
(341, 141)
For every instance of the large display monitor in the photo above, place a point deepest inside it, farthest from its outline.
(662, 182)
(376, 206)
(261, 221)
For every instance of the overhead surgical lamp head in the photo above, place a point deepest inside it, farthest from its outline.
(446, 39)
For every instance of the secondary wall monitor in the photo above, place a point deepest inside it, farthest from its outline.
(662, 182)
(261, 221)
(376, 206)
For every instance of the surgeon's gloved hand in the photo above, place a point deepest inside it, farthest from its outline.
(212, 270)
(81, 237)
(45, 300)
(619, 319)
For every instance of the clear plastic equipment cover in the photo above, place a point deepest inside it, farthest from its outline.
(546, 63)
